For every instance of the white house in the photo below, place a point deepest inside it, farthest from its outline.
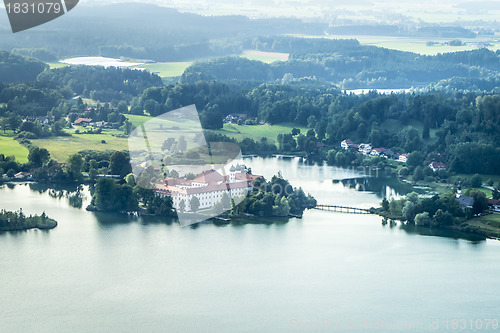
(365, 148)
(22, 175)
(403, 158)
(348, 144)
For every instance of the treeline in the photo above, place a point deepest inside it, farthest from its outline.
(99, 83)
(348, 64)
(16, 68)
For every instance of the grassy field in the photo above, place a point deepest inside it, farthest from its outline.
(10, 147)
(61, 148)
(267, 57)
(418, 45)
(257, 132)
(166, 69)
(491, 220)
(53, 65)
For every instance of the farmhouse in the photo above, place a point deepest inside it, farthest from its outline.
(83, 121)
(365, 148)
(466, 202)
(494, 204)
(22, 175)
(234, 117)
(435, 166)
(348, 144)
(403, 158)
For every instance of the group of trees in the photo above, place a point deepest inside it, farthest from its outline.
(274, 198)
(438, 210)
(10, 221)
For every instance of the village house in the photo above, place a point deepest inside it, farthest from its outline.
(22, 175)
(41, 120)
(84, 121)
(348, 144)
(235, 117)
(435, 166)
(365, 148)
(403, 158)
(494, 204)
(382, 152)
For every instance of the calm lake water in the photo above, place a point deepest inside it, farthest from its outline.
(326, 272)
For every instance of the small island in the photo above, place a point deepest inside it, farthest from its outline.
(18, 221)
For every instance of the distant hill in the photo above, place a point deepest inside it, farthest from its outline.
(348, 64)
(147, 31)
(17, 68)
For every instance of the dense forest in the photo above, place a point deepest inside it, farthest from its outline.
(16, 68)
(349, 65)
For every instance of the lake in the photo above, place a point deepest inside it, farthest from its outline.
(327, 272)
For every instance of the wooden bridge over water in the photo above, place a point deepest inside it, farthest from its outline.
(344, 209)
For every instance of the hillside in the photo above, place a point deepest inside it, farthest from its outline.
(16, 68)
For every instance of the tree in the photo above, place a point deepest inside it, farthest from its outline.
(415, 159)
(409, 211)
(385, 204)
(496, 194)
(403, 172)
(476, 181)
(75, 165)
(423, 219)
(480, 201)
(119, 164)
(112, 197)
(38, 156)
(418, 174)
(443, 218)
(194, 203)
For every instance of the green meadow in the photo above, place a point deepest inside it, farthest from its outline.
(10, 147)
(166, 69)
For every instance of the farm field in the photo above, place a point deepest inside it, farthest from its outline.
(10, 147)
(238, 132)
(167, 69)
(267, 57)
(257, 132)
(419, 45)
(61, 148)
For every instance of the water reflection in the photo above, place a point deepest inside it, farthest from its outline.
(441, 232)
(383, 186)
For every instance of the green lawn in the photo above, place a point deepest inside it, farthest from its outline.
(257, 132)
(10, 147)
(166, 69)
